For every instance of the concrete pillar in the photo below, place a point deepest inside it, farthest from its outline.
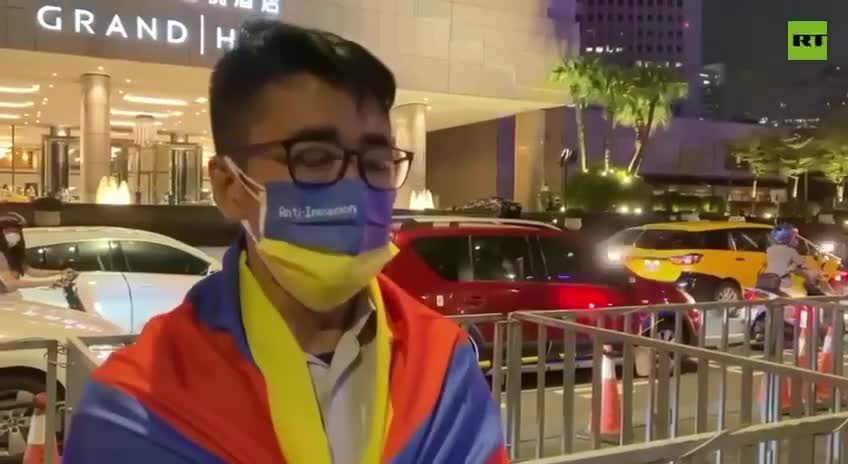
(409, 125)
(95, 127)
(505, 158)
(529, 158)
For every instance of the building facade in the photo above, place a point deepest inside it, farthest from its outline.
(625, 32)
(690, 155)
(712, 80)
(101, 88)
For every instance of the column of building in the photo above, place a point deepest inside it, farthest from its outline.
(95, 134)
(409, 126)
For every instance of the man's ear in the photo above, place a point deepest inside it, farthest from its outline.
(226, 189)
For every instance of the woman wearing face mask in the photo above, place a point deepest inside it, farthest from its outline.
(15, 274)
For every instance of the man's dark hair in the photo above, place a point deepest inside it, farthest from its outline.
(268, 51)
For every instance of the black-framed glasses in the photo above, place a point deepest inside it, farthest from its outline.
(321, 163)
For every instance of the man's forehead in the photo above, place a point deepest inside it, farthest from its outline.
(304, 101)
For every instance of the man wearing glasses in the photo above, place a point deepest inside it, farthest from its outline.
(299, 351)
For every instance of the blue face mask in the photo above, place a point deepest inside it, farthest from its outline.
(322, 244)
(348, 217)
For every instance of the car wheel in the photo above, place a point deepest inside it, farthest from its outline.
(728, 291)
(758, 332)
(14, 424)
(665, 331)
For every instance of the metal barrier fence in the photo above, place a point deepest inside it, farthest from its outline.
(634, 339)
(690, 448)
(665, 369)
(84, 355)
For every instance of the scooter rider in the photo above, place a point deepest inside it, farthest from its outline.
(783, 260)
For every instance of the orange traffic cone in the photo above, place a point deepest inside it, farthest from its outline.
(802, 341)
(610, 403)
(826, 365)
(37, 438)
(785, 393)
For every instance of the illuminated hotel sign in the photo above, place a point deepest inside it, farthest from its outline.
(205, 32)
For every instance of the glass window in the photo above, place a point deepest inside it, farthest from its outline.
(563, 263)
(154, 258)
(501, 258)
(446, 256)
(717, 240)
(755, 240)
(670, 240)
(88, 256)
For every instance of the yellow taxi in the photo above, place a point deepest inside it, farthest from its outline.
(711, 260)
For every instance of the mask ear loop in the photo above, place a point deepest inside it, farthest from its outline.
(255, 190)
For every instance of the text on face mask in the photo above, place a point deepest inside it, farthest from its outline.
(315, 213)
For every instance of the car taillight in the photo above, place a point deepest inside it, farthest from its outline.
(686, 260)
(753, 294)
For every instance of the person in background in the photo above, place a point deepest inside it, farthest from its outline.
(783, 260)
(299, 350)
(15, 274)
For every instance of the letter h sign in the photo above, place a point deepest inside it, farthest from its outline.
(807, 41)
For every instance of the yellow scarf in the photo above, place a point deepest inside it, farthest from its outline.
(294, 408)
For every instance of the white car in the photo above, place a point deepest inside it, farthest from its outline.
(127, 276)
(23, 372)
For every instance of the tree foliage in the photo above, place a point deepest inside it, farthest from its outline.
(648, 105)
(578, 76)
(640, 97)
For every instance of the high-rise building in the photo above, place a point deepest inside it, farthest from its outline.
(627, 32)
(712, 79)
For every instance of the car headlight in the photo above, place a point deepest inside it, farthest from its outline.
(614, 256)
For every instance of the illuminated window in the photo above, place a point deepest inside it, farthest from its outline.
(24, 158)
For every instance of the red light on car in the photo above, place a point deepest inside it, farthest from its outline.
(686, 260)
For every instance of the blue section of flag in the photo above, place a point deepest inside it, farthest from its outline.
(110, 427)
(465, 425)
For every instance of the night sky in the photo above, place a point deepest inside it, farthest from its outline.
(754, 31)
(750, 37)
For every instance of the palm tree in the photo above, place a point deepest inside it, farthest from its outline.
(612, 88)
(578, 76)
(648, 106)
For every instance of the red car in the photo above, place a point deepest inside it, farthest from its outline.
(476, 266)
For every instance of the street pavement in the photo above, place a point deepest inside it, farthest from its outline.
(688, 402)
